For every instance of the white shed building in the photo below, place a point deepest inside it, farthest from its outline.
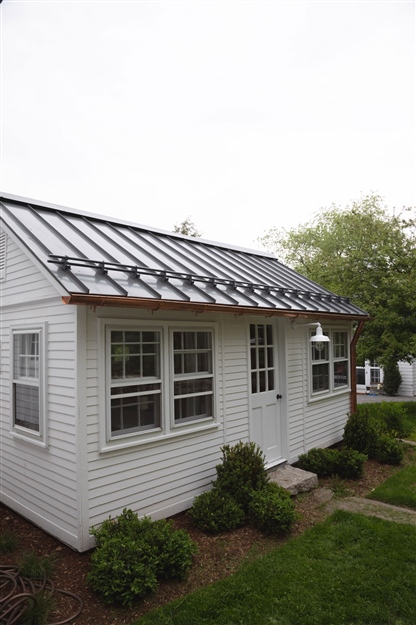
(129, 356)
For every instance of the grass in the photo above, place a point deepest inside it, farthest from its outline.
(399, 489)
(348, 569)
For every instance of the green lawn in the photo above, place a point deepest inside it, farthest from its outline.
(399, 489)
(349, 570)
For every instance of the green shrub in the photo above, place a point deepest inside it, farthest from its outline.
(390, 450)
(123, 569)
(319, 461)
(392, 378)
(362, 430)
(271, 509)
(242, 471)
(132, 554)
(215, 511)
(175, 550)
(393, 418)
(346, 463)
(350, 463)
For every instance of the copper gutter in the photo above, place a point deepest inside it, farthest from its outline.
(353, 364)
(153, 305)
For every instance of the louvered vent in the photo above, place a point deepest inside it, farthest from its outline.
(2, 255)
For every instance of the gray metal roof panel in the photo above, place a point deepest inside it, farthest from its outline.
(95, 255)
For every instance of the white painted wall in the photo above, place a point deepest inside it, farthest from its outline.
(312, 422)
(40, 482)
(408, 386)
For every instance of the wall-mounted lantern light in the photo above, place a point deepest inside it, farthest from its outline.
(319, 339)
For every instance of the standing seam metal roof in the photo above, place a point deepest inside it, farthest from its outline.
(95, 256)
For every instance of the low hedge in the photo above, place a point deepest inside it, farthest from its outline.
(344, 462)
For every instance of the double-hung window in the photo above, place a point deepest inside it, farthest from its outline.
(135, 380)
(193, 384)
(157, 379)
(330, 363)
(27, 383)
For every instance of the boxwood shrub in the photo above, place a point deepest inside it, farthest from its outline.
(271, 509)
(242, 470)
(344, 462)
(374, 428)
(216, 511)
(133, 554)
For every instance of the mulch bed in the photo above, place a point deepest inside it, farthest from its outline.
(218, 556)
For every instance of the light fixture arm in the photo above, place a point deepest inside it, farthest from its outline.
(319, 339)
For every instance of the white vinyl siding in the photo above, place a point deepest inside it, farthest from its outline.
(313, 421)
(40, 480)
(408, 372)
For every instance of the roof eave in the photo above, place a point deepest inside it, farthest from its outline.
(195, 307)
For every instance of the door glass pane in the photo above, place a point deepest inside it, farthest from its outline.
(254, 382)
(269, 333)
(253, 358)
(262, 380)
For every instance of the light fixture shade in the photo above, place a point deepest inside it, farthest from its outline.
(319, 336)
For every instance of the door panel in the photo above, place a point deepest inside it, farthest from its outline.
(265, 407)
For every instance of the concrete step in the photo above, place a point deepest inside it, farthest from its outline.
(293, 479)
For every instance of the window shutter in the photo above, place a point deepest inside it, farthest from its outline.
(2, 255)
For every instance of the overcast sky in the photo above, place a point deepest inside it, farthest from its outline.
(243, 115)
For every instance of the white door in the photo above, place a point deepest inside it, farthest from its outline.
(265, 396)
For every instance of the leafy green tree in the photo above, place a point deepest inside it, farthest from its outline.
(187, 227)
(363, 252)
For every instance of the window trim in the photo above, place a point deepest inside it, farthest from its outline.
(39, 437)
(168, 429)
(333, 390)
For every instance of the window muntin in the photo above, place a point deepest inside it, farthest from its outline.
(330, 364)
(135, 380)
(193, 384)
(261, 358)
(26, 395)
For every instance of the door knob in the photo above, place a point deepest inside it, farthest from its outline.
(278, 396)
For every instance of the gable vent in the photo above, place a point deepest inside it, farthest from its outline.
(2, 255)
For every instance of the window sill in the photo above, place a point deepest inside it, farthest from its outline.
(28, 438)
(159, 437)
(324, 395)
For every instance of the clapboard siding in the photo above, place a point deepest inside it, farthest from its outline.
(23, 281)
(408, 372)
(312, 423)
(36, 481)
